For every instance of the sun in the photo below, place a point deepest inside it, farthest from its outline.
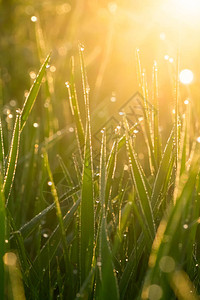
(187, 7)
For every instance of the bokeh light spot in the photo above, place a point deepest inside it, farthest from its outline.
(167, 264)
(155, 292)
(186, 76)
(34, 19)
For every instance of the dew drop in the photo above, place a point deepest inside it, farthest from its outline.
(10, 116)
(32, 74)
(18, 111)
(45, 235)
(113, 97)
(67, 84)
(125, 167)
(82, 47)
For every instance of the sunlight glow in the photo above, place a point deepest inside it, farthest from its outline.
(187, 7)
(186, 76)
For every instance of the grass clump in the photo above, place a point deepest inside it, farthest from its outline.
(106, 231)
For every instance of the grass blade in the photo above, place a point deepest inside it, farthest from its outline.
(30, 100)
(108, 286)
(2, 239)
(60, 220)
(87, 197)
(141, 190)
(75, 107)
(42, 261)
(12, 159)
(2, 156)
(147, 128)
(157, 143)
(162, 172)
(167, 254)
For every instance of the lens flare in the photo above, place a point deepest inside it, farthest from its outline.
(186, 76)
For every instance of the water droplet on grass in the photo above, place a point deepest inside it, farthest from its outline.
(67, 84)
(45, 235)
(10, 116)
(82, 47)
(125, 167)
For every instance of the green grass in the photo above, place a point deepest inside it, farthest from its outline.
(81, 231)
